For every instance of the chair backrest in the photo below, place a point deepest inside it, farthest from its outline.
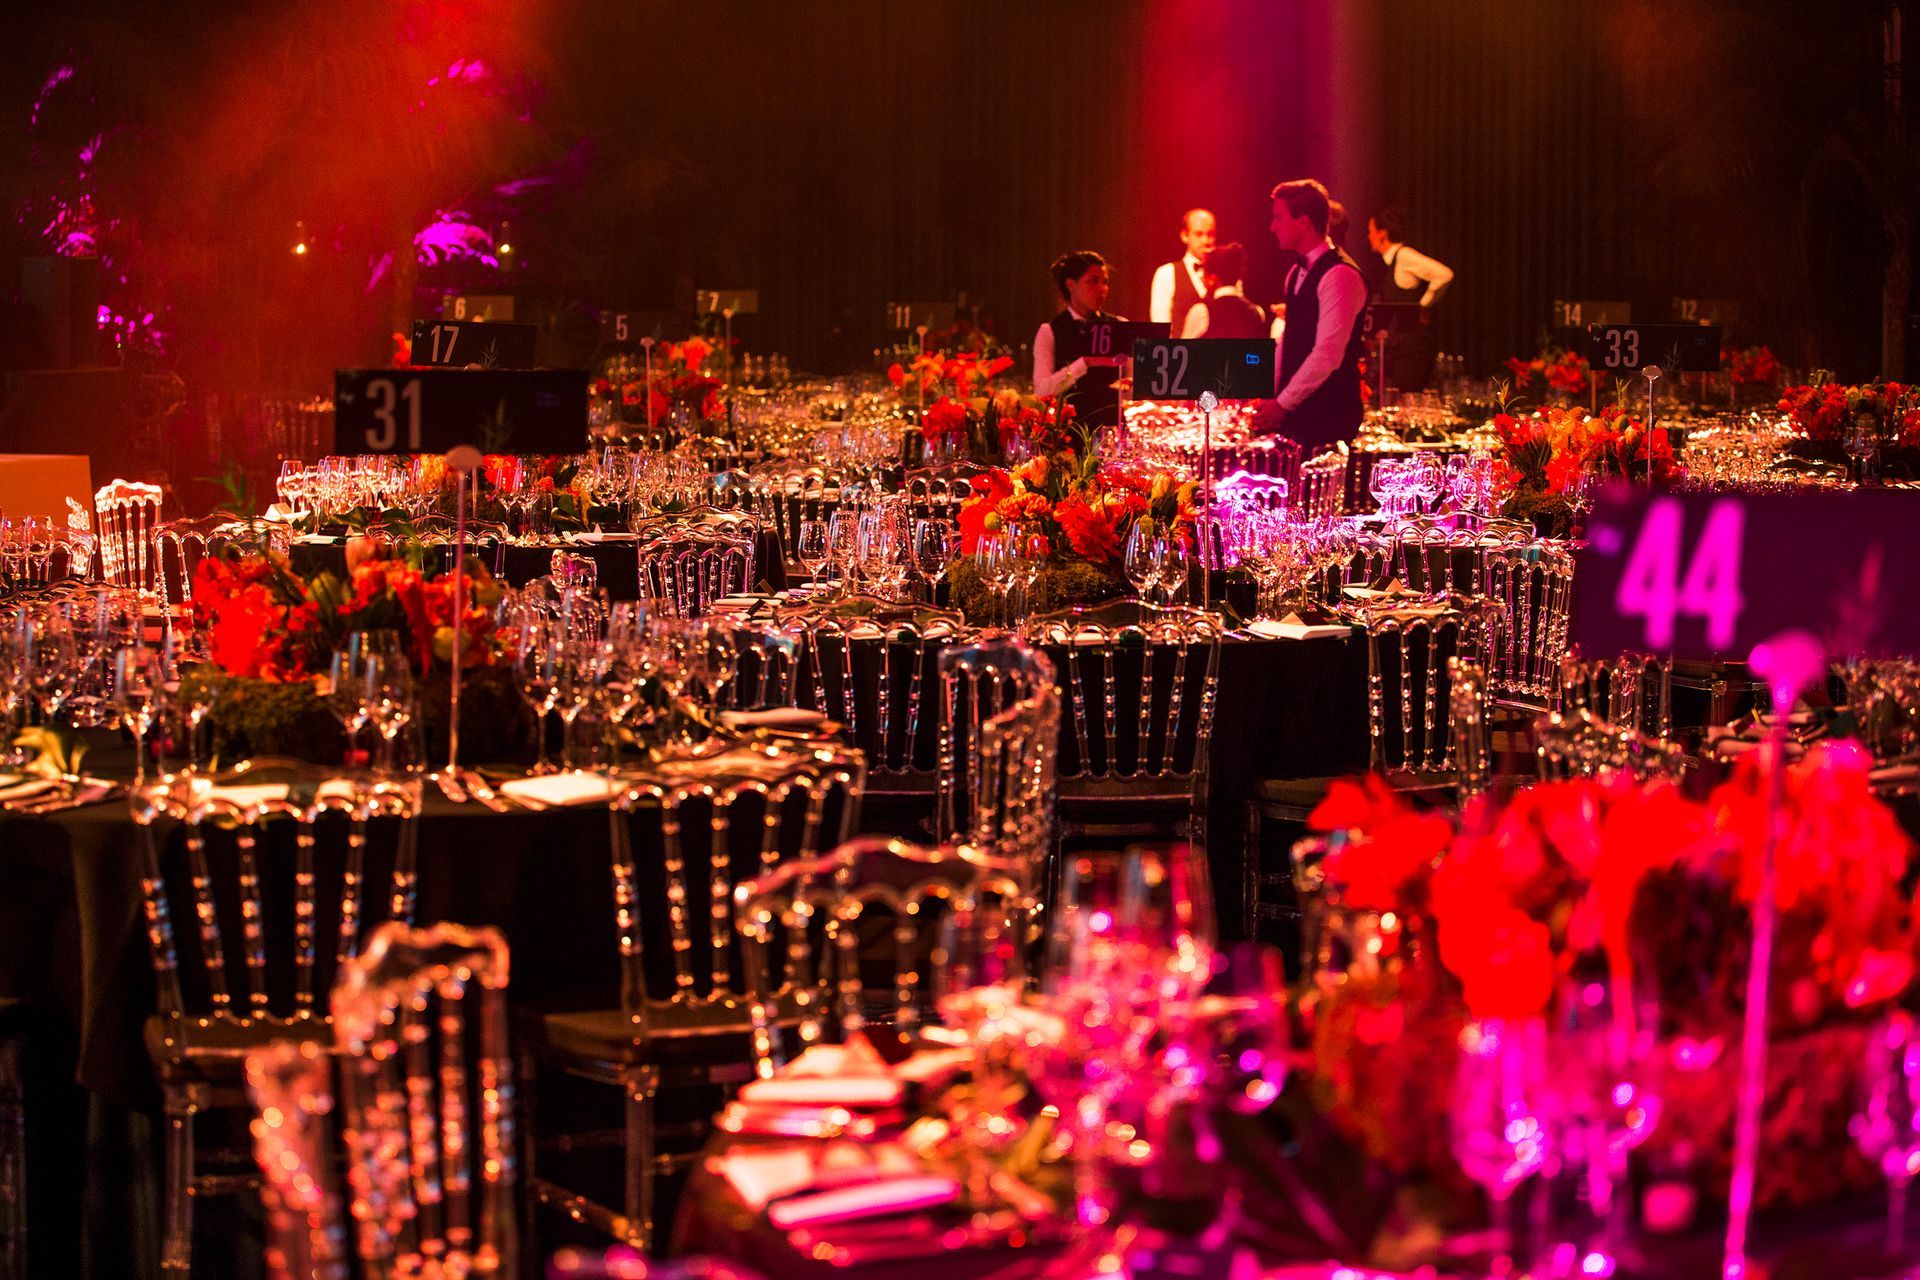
(126, 513)
(270, 926)
(692, 570)
(876, 675)
(718, 821)
(1142, 681)
(1534, 584)
(769, 668)
(180, 545)
(1633, 691)
(1322, 490)
(417, 1097)
(799, 926)
(994, 789)
(1473, 749)
(1410, 706)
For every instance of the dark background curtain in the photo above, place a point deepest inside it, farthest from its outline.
(844, 154)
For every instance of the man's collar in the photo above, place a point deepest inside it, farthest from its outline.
(1229, 291)
(1076, 315)
(1313, 254)
(1191, 263)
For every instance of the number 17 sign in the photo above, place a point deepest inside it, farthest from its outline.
(1702, 575)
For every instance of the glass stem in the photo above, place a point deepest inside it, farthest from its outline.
(1500, 1237)
(1897, 1214)
(540, 737)
(139, 757)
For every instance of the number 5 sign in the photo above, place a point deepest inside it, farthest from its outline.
(1709, 576)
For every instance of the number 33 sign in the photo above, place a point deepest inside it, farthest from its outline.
(1710, 576)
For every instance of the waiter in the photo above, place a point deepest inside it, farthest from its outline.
(1178, 285)
(1226, 313)
(1061, 365)
(1317, 394)
(1411, 277)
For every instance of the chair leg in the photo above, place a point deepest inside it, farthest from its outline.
(640, 1086)
(1250, 874)
(525, 1068)
(176, 1251)
(13, 1162)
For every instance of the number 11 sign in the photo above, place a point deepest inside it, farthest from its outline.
(1701, 575)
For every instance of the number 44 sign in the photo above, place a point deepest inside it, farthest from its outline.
(1711, 576)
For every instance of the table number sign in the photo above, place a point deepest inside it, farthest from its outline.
(477, 306)
(458, 343)
(1583, 312)
(1183, 369)
(433, 410)
(722, 302)
(1676, 348)
(1704, 311)
(909, 316)
(1701, 575)
(1114, 339)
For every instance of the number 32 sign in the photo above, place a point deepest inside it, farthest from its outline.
(1711, 576)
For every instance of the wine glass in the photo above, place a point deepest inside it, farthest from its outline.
(1176, 564)
(979, 981)
(993, 556)
(811, 548)
(935, 544)
(1143, 560)
(843, 545)
(537, 664)
(1499, 1134)
(389, 692)
(1887, 1126)
(138, 687)
(347, 691)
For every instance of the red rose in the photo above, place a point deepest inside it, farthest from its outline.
(1091, 534)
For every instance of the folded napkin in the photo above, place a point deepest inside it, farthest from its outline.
(321, 540)
(600, 535)
(825, 1091)
(864, 1200)
(26, 789)
(577, 787)
(760, 1174)
(773, 718)
(1296, 630)
(284, 515)
(246, 796)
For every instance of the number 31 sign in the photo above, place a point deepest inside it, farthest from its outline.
(1701, 575)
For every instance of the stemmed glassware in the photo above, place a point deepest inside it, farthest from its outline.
(1886, 1127)
(390, 700)
(139, 687)
(1143, 560)
(1175, 566)
(935, 544)
(994, 557)
(538, 662)
(1499, 1127)
(811, 548)
(843, 546)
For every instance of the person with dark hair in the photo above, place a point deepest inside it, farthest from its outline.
(1061, 364)
(1177, 285)
(1337, 224)
(1411, 277)
(1226, 313)
(1317, 393)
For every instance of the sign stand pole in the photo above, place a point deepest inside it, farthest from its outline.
(464, 462)
(726, 320)
(1652, 374)
(1381, 374)
(1788, 662)
(1207, 403)
(646, 347)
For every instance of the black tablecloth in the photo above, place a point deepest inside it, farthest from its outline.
(72, 936)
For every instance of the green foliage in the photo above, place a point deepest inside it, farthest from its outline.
(237, 496)
(1061, 583)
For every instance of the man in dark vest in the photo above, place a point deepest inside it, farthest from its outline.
(1177, 285)
(1317, 393)
(1226, 313)
(1062, 365)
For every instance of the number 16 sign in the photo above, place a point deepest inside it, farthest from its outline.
(1701, 575)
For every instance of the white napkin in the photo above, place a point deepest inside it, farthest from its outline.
(824, 1091)
(773, 718)
(322, 540)
(577, 787)
(1272, 630)
(762, 1173)
(244, 797)
(601, 535)
(26, 789)
(864, 1200)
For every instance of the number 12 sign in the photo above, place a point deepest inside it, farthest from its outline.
(1711, 575)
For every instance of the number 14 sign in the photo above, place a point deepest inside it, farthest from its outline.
(1702, 575)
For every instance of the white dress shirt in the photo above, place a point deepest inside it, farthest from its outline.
(1343, 296)
(1048, 381)
(1198, 317)
(1411, 267)
(1160, 298)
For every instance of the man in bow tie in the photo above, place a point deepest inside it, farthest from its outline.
(1177, 285)
(1317, 394)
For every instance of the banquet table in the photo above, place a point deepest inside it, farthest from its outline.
(72, 936)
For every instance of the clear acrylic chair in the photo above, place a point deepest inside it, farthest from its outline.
(994, 790)
(1142, 682)
(1534, 584)
(692, 570)
(415, 1097)
(873, 668)
(274, 872)
(126, 513)
(800, 926)
(704, 825)
(1322, 490)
